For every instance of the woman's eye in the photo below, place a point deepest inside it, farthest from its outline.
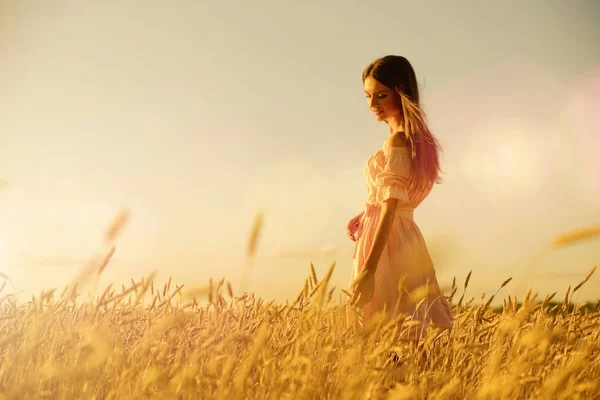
(381, 96)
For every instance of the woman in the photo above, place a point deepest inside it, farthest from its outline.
(391, 261)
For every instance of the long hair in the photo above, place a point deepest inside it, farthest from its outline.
(396, 72)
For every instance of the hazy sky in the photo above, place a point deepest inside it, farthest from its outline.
(196, 115)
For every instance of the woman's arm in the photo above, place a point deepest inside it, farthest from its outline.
(382, 232)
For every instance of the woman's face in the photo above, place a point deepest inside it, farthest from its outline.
(383, 101)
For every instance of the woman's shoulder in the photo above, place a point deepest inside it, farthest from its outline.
(396, 140)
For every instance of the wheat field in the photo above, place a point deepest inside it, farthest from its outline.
(142, 342)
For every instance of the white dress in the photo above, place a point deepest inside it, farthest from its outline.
(405, 253)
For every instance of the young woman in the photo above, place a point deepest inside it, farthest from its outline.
(391, 261)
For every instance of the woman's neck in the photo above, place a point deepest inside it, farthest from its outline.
(395, 123)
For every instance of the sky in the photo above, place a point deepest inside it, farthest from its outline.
(197, 115)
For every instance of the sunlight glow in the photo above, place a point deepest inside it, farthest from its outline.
(502, 161)
(582, 123)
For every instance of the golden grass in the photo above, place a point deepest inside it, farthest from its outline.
(576, 236)
(239, 347)
(208, 343)
(251, 248)
(560, 241)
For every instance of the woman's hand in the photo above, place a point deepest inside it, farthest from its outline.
(363, 285)
(352, 227)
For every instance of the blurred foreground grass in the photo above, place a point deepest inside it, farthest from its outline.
(141, 342)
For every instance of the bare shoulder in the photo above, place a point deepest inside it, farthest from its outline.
(396, 139)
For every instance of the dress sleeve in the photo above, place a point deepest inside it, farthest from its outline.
(392, 182)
